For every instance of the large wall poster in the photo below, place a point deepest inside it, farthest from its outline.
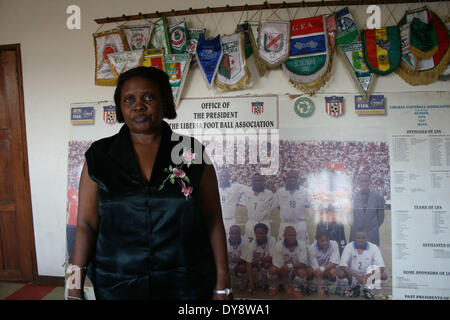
(405, 152)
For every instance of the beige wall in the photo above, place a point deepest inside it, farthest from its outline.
(58, 69)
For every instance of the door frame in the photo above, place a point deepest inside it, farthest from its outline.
(27, 197)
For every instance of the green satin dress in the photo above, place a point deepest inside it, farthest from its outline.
(151, 244)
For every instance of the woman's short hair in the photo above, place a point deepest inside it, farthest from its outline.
(156, 76)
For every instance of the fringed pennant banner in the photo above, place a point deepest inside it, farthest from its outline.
(382, 52)
(253, 33)
(413, 69)
(107, 42)
(273, 42)
(309, 56)
(244, 28)
(233, 73)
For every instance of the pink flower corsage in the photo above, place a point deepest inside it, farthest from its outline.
(178, 174)
(186, 190)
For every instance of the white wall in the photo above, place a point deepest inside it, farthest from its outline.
(58, 69)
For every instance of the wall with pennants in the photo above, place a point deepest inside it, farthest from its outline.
(58, 69)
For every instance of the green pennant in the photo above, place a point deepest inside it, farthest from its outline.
(347, 30)
(424, 42)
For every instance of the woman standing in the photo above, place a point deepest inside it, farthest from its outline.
(149, 227)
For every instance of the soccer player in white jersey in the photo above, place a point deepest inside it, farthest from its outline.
(292, 199)
(230, 195)
(323, 256)
(236, 264)
(258, 201)
(362, 265)
(290, 258)
(258, 256)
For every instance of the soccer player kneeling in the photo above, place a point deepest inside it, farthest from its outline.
(236, 249)
(258, 257)
(323, 260)
(289, 261)
(362, 266)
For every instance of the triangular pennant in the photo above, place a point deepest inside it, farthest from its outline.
(233, 73)
(209, 55)
(309, 56)
(107, 42)
(381, 48)
(138, 37)
(273, 42)
(253, 33)
(330, 21)
(178, 37)
(354, 58)
(154, 58)
(126, 60)
(193, 35)
(160, 38)
(347, 29)
(418, 71)
(177, 67)
(244, 28)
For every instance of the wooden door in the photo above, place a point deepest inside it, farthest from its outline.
(17, 253)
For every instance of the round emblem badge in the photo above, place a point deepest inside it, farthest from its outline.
(178, 37)
(304, 107)
(108, 48)
(137, 42)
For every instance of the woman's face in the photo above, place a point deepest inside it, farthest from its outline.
(141, 105)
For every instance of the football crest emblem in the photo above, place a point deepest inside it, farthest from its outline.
(257, 107)
(334, 106)
(109, 114)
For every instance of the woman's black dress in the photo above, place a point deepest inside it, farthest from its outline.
(151, 244)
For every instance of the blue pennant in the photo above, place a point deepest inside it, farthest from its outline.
(209, 54)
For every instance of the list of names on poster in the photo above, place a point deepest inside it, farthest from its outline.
(420, 169)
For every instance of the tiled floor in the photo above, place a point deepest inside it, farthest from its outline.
(27, 291)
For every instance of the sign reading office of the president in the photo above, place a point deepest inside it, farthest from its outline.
(244, 113)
